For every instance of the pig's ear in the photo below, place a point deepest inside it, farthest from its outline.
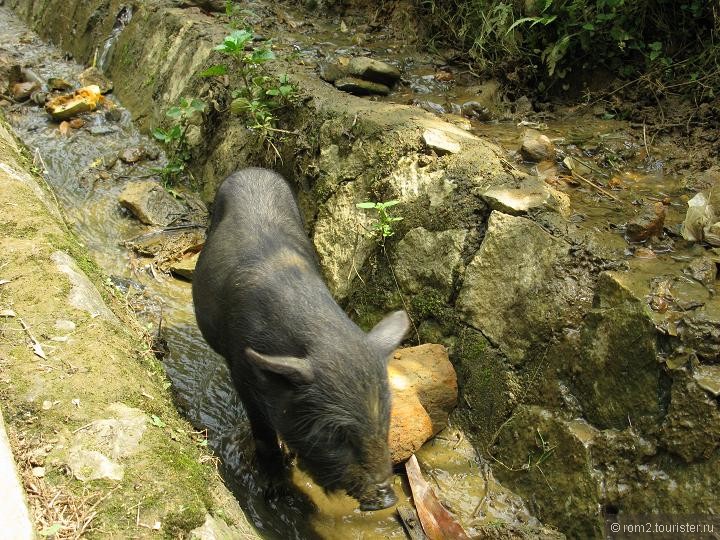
(388, 333)
(296, 370)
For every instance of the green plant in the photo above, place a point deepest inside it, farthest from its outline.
(663, 44)
(383, 224)
(261, 94)
(174, 138)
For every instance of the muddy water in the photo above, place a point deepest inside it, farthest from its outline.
(88, 196)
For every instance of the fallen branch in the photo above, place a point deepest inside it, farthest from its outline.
(593, 184)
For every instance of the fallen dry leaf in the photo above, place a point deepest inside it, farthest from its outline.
(437, 522)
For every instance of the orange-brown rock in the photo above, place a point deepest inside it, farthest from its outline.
(410, 426)
(424, 390)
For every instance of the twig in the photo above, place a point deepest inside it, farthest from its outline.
(601, 190)
(37, 348)
(647, 152)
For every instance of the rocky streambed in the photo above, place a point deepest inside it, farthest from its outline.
(544, 251)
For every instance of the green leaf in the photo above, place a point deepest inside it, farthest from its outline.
(260, 56)
(366, 205)
(155, 420)
(215, 71)
(239, 105)
(286, 90)
(197, 105)
(272, 92)
(388, 204)
(160, 134)
(588, 26)
(174, 113)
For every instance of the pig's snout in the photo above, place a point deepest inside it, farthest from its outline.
(381, 496)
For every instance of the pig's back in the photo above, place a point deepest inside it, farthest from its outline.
(257, 257)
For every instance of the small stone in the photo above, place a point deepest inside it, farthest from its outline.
(38, 472)
(521, 197)
(430, 106)
(647, 225)
(102, 130)
(76, 123)
(185, 267)
(439, 141)
(88, 465)
(113, 114)
(474, 109)
(38, 97)
(536, 146)
(150, 203)
(132, 154)
(58, 84)
(707, 377)
(21, 91)
(93, 75)
(361, 87)
(410, 426)
(704, 270)
(373, 70)
(330, 72)
(47, 405)
(426, 370)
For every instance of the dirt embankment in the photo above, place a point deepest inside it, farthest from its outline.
(98, 441)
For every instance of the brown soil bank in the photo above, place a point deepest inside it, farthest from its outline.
(98, 441)
(585, 398)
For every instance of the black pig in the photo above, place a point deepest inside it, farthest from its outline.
(304, 371)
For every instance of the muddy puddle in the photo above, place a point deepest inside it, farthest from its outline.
(75, 166)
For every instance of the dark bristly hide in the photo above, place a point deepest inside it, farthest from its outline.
(304, 371)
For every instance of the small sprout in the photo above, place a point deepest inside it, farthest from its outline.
(156, 421)
(383, 224)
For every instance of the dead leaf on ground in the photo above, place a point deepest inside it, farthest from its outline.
(437, 522)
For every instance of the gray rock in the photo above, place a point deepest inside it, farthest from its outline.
(427, 259)
(93, 75)
(511, 291)
(536, 146)
(97, 448)
(87, 465)
(440, 141)
(616, 341)
(342, 237)
(373, 70)
(83, 294)
(361, 87)
(185, 267)
(150, 203)
(330, 72)
(216, 529)
(528, 194)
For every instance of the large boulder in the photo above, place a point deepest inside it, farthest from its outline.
(428, 259)
(516, 289)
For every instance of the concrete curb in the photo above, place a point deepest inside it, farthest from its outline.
(14, 514)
